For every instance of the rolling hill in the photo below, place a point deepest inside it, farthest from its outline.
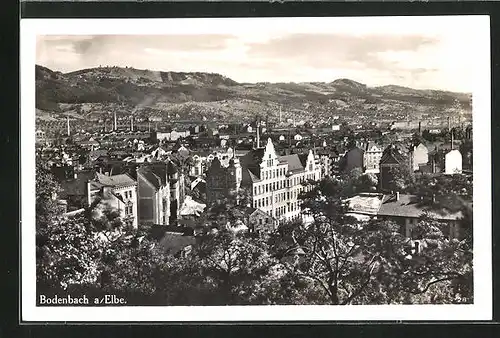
(197, 95)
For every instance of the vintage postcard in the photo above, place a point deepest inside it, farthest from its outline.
(256, 169)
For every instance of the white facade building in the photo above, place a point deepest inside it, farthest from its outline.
(453, 162)
(275, 182)
(419, 155)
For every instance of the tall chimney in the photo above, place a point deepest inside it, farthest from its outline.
(149, 126)
(433, 198)
(67, 125)
(280, 114)
(397, 195)
(258, 135)
(420, 127)
(449, 124)
(131, 123)
(451, 132)
(115, 126)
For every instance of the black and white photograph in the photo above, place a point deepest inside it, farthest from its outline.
(256, 169)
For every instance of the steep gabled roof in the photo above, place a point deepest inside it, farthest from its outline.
(121, 180)
(392, 155)
(294, 163)
(303, 159)
(253, 178)
(252, 160)
(410, 206)
(151, 177)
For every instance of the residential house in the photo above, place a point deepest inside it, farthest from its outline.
(74, 189)
(255, 219)
(405, 210)
(118, 192)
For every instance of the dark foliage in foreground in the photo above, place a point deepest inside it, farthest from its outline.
(334, 260)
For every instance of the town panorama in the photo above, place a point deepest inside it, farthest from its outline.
(169, 188)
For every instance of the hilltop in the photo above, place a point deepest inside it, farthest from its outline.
(196, 95)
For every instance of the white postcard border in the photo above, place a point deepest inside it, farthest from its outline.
(480, 310)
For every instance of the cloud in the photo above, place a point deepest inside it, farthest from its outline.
(421, 61)
(335, 51)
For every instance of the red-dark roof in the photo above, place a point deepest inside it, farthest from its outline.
(294, 163)
(121, 180)
(411, 206)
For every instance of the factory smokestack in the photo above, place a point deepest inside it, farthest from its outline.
(280, 114)
(115, 126)
(131, 123)
(258, 132)
(449, 124)
(452, 139)
(419, 127)
(67, 125)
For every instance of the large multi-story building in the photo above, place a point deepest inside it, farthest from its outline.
(371, 157)
(275, 182)
(118, 192)
(153, 194)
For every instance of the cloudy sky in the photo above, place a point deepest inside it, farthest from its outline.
(417, 52)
